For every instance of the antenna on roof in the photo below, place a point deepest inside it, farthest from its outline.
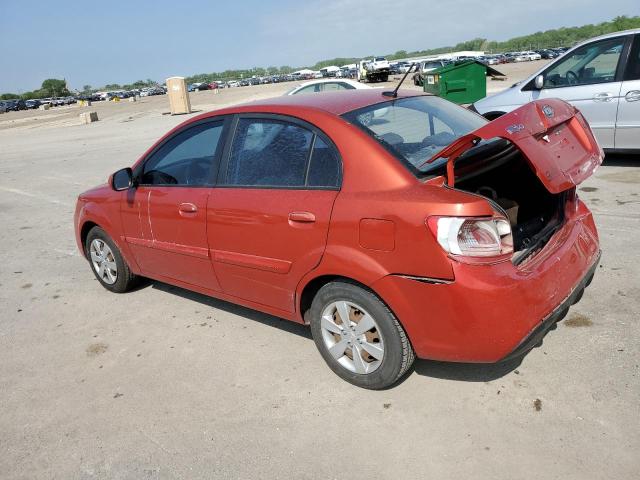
(394, 93)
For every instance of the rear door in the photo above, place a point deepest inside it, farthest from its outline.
(590, 79)
(628, 121)
(268, 218)
(164, 218)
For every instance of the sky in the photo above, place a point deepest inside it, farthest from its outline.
(97, 43)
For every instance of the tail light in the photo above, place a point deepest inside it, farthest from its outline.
(473, 236)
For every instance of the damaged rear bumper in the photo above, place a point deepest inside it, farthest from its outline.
(493, 312)
(538, 333)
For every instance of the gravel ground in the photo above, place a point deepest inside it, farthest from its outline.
(162, 383)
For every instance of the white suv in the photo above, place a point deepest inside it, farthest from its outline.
(601, 77)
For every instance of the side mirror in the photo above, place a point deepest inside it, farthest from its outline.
(539, 82)
(122, 179)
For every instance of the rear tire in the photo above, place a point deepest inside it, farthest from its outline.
(107, 263)
(370, 349)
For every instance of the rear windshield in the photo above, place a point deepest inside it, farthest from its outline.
(414, 129)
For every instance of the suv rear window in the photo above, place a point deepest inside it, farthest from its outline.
(414, 129)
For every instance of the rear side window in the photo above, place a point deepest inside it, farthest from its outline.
(308, 89)
(276, 153)
(324, 170)
(186, 159)
(335, 86)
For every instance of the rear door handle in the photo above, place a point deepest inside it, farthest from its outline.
(302, 217)
(602, 97)
(187, 208)
(632, 96)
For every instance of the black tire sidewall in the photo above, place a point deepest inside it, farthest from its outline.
(390, 369)
(123, 281)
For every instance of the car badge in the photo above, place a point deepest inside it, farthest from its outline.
(548, 111)
(515, 128)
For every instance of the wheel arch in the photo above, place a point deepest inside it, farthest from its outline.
(313, 286)
(84, 233)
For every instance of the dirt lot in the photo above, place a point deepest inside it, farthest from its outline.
(162, 383)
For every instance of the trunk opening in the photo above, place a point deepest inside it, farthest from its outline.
(499, 172)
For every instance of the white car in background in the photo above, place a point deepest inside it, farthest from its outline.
(530, 56)
(326, 85)
(601, 77)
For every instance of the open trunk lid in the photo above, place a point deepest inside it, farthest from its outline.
(552, 135)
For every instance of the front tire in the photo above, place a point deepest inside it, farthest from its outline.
(359, 337)
(107, 263)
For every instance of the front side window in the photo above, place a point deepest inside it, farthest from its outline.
(277, 153)
(417, 128)
(185, 159)
(590, 64)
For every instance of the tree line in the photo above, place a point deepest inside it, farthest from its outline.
(559, 37)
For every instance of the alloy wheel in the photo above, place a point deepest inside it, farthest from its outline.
(352, 337)
(103, 261)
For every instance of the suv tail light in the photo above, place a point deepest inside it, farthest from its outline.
(473, 236)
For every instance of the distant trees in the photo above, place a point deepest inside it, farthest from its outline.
(55, 88)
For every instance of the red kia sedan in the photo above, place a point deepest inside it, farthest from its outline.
(395, 225)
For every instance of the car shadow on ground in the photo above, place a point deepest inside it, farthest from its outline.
(621, 160)
(264, 318)
(462, 372)
(465, 372)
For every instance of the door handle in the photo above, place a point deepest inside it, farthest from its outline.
(302, 217)
(187, 208)
(602, 97)
(632, 96)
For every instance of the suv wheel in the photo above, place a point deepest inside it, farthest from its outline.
(359, 337)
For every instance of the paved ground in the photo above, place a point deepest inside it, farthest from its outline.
(162, 383)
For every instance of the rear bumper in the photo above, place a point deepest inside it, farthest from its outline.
(558, 314)
(493, 312)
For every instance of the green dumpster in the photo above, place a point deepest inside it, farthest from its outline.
(460, 82)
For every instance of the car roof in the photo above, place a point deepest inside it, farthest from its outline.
(337, 103)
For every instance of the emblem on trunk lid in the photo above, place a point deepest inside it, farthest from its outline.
(548, 111)
(515, 128)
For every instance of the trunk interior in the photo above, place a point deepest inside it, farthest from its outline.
(498, 171)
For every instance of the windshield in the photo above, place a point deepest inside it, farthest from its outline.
(415, 129)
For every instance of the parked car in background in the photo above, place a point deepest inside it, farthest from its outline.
(601, 77)
(425, 67)
(530, 56)
(327, 85)
(368, 217)
(3, 106)
(32, 104)
(547, 54)
(15, 104)
(487, 59)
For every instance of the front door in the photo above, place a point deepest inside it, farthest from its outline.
(164, 217)
(269, 217)
(589, 79)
